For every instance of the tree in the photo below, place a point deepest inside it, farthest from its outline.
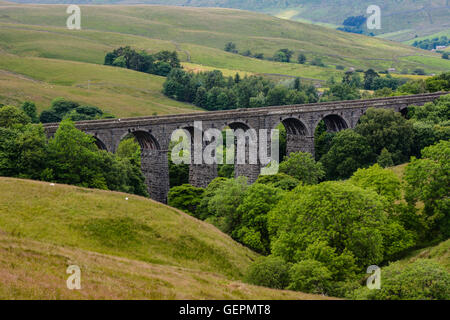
(322, 140)
(382, 181)
(384, 128)
(422, 279)
(230, 47)
(428, 181)
(349, 151)
(302, 166)
(73, 158)
(344, 217)
(439, 83)
(130, 152)
(445, 55)
(310, 276)
(433, 112)
(297, 84)
(277, 96)
(31, 151)
(49, 116)
(283, 55)
(317, 62)
(251, 230)
(222, 205)
(413, 87)
(369, 77)
(279, 180)
(385, 159)
(30, 110)
(271, 272)
(83, 113)
(341, 91)
(301, 58)
(210, 191)
(11, 116)
(186, 198)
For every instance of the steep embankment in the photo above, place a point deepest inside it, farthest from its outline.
(133, 248)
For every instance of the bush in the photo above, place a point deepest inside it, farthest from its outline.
(421, 280)
(309, 276)
(303, 167)
(11, 116)
(428, 181)
(279, 180)
(384, 160)
(382, 181)
(387, 129)
(186, 198)
(271, 272)
(251, 230)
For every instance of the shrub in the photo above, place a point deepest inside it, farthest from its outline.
(384, 160)
(302, 166)
(309, 276)
(349, 151)
(271, 272)
(186, 198)
(421, 280)
(382, 181)
(11, 116)
(279, 180)
(251, 230)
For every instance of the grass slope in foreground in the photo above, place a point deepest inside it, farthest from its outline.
(129, 249)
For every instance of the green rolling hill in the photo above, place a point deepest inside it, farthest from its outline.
(401, 20)
(41, 59)
(126, 249)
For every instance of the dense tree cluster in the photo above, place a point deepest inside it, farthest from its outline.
(213, 91)
(429, 44)
(354, 24)
(319, 236)
(160, 63)
(69, 157)
(65, 109)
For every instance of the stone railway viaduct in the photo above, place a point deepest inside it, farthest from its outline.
(154, 133)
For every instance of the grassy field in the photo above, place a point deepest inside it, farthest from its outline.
(36, 270)
(210, 28)
(122, 92)
(401, 20)
(126, 249)
(439, 253)
(431, 36)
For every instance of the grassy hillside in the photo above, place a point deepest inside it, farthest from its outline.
(40, 59)
(210, 28)
(439, 253)
(402, 20)
(124, 93)
(105, 222)
(431, 36)
(37, 270)
(126, 249)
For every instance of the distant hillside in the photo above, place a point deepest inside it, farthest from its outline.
(40, 59)
(402, 20)
(203, 33)
(126, 249)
